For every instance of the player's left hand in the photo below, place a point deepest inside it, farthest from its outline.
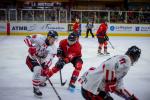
(106, 38)
(60, 63)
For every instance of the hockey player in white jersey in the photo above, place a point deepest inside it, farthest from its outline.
(41, 48)
(96, 83)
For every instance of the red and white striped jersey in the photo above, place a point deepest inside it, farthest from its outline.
(44, 53)
(115, 68)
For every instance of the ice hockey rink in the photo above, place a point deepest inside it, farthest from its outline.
(15, 77)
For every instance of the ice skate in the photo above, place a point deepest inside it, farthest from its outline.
(37, 92)
(106, 53)
(99, 52)
(71, 88)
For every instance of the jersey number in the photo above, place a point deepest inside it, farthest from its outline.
(122, 61)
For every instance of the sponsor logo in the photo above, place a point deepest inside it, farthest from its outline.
(24, 28)
(123, 28)
(51, 27)
(120, 28)
(19, 28)
(146, 28)
(137, 28)
(112, 28)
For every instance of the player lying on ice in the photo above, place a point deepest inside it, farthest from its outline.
(96, 83)
(69, 51)
(41, 48)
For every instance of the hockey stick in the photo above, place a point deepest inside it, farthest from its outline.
(111, 45)
(54, 89)
(50, 82)
(62, 83)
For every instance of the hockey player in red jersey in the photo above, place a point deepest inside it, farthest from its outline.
(102, 37)
(108, 77)
(76, 27)
(69, 51)
(41, 48)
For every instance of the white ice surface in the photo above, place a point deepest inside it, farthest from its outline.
(15, 77)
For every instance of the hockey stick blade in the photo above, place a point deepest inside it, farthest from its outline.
(63, 83)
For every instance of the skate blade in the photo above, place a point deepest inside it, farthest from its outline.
(103, 54)
(37, 96)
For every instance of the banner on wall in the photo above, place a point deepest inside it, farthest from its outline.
(122, 28)
(37, 27)
(129, 28)
(63, 27)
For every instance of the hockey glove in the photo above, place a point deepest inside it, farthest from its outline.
(106, 38)
(45, 71)
(45, 65)
(60, 63)
(59, 52)
(32, 51)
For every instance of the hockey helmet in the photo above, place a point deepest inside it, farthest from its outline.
(72, 38)
(77, 20)
(52, 34)
(134, 52)
(104, 21)
(51, 37)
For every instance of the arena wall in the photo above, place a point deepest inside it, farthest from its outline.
(24, 28)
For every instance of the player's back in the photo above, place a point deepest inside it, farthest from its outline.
(94, 80)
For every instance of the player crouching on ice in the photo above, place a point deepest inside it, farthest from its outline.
(102, 37)
(108, 77)
(69, 51)
(41, 48)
